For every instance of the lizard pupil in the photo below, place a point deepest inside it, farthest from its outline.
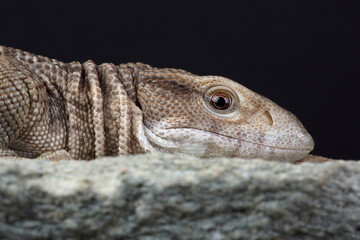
(220, 101)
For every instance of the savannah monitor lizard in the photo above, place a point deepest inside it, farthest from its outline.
(55, 110)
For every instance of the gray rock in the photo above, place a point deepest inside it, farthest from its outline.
(175, 197)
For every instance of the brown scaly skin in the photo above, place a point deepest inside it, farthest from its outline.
(55, 110)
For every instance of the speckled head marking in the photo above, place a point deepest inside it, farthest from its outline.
(214, 116)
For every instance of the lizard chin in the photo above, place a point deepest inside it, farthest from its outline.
(202, 143)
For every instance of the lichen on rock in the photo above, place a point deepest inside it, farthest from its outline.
(162, 196)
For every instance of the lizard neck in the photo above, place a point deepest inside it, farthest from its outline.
(105, 118)
(117, 118)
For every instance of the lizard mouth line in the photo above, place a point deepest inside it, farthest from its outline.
(260, 144)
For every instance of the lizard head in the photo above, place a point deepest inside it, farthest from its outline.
(211, 116)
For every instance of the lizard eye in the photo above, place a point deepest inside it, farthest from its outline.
(221, 100)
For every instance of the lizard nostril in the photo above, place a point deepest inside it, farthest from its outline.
(267, 118)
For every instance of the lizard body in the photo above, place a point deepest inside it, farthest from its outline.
(55, 110)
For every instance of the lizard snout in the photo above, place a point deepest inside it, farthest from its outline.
(283, 130)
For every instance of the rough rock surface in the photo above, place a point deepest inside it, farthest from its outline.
(175, 197)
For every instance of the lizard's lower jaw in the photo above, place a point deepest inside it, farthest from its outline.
(283, 153)
(207, 144)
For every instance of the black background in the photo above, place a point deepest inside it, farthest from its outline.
(304, 55)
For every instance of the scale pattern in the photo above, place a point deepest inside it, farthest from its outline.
(50, 109)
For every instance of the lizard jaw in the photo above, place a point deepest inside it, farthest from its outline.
(207, 144)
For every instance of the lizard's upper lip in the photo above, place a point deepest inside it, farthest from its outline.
(307, 142)
(309, 146)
